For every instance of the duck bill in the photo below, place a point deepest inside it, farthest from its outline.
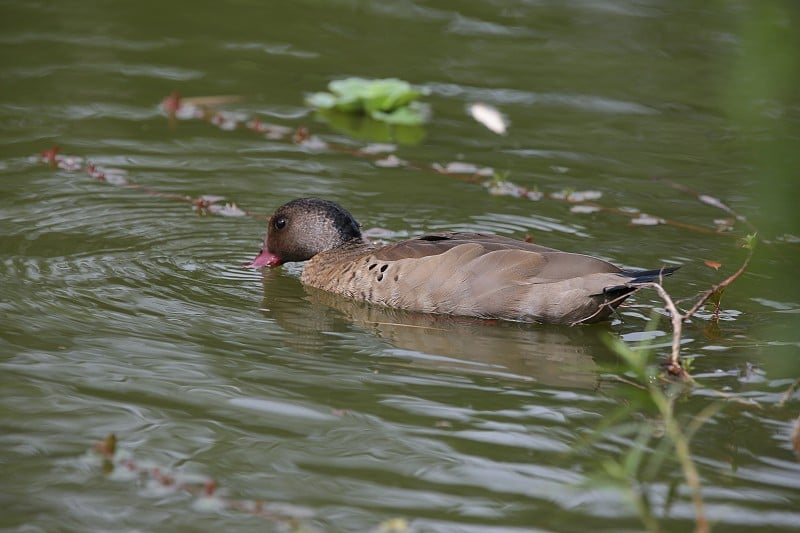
(265, 258)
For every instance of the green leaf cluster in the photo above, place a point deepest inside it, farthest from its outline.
(388, 100)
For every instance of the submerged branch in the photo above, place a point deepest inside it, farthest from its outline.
(720, 286)
(205, 491)
(675, 369)
(177, 108)
(673, 365)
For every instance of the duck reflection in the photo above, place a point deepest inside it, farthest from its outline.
(551, 355)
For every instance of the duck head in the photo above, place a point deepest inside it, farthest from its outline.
(302, 228)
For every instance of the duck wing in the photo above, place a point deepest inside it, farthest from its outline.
(490, 276)
(437, 243)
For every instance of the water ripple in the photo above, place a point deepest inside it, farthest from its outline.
(87, 40)
(592, 103)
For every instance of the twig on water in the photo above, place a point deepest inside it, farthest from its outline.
(206, 491)
(673, 364)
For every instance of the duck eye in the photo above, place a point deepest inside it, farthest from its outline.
(280, 223)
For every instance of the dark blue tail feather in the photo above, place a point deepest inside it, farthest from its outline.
(637, 277)
(646, 276)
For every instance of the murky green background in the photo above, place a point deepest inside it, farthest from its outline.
(129, 313)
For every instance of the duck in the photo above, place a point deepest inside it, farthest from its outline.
(479, 275)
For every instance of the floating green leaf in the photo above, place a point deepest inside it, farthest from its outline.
(388, 100)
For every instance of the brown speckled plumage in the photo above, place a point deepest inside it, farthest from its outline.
(469, 274)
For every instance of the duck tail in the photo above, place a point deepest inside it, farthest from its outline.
(647, 276)
(618, 293)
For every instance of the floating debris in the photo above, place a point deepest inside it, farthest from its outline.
(379, 148)
(724, 224)
(577, 196)
(498, 187)
(457, 167)
(647, 220)
(392, 161)
(120, 465)
(584, 209)
(490, 117)
(70, 163)
(230, 209)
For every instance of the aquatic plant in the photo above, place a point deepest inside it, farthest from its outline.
(655, 389)
(387, 100)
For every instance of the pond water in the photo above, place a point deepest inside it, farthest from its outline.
(127, 312)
